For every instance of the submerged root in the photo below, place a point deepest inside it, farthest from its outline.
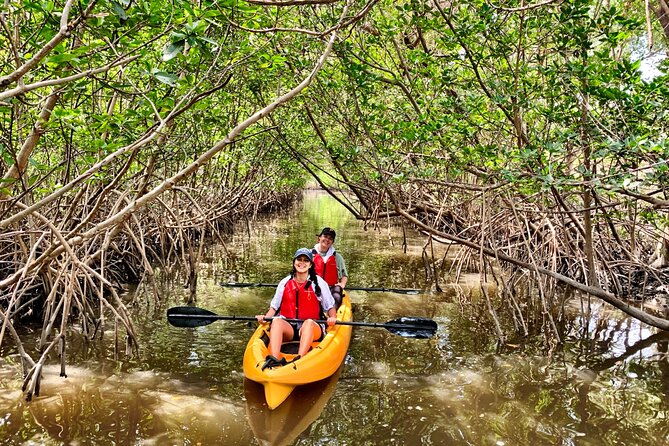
(61, 275)
(542, 239)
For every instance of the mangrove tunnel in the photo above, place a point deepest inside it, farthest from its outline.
(525, 143)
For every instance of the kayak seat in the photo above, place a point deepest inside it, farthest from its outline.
(265, 338)
(290, 348)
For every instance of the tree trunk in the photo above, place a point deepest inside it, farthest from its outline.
(660, 257)
(21, 161)
(662, 12)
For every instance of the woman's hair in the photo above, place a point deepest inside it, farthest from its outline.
(312, 278)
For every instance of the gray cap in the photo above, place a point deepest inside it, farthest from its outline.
(304, 252)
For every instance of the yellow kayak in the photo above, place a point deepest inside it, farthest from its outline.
(322, 361)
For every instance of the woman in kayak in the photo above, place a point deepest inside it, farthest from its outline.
(300, 295)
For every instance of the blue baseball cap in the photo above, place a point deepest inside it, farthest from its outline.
(304, 252)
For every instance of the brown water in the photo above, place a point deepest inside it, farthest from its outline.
(608, 384)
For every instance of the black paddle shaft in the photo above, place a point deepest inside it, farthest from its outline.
(413, 327)
(348, 288)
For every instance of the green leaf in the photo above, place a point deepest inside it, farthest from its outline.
(278, 60)
(62, 58)
(120, 12)
(166, 78)
(172, 50)
(197, 27)
(209, 41)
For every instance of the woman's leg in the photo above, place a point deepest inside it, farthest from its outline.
(279, 332)
(309, 332)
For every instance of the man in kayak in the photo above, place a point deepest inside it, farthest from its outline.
(300, 295)
(330, 264)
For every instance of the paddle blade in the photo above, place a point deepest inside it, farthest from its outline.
(190, 317)
(412, 327)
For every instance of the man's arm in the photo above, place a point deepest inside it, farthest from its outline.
(341, 270)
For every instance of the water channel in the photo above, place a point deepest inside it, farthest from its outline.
(607, 384)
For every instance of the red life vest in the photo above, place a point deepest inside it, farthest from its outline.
(298, 303)
(327, 270)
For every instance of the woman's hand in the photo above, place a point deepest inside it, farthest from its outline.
(331, 320)
(269, 315)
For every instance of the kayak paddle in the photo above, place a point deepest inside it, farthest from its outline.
(347, 288)
(408, 327)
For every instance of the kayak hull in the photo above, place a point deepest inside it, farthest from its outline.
(322, 361)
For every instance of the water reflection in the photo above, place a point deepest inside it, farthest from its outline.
(281, 426)
(128, 408)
